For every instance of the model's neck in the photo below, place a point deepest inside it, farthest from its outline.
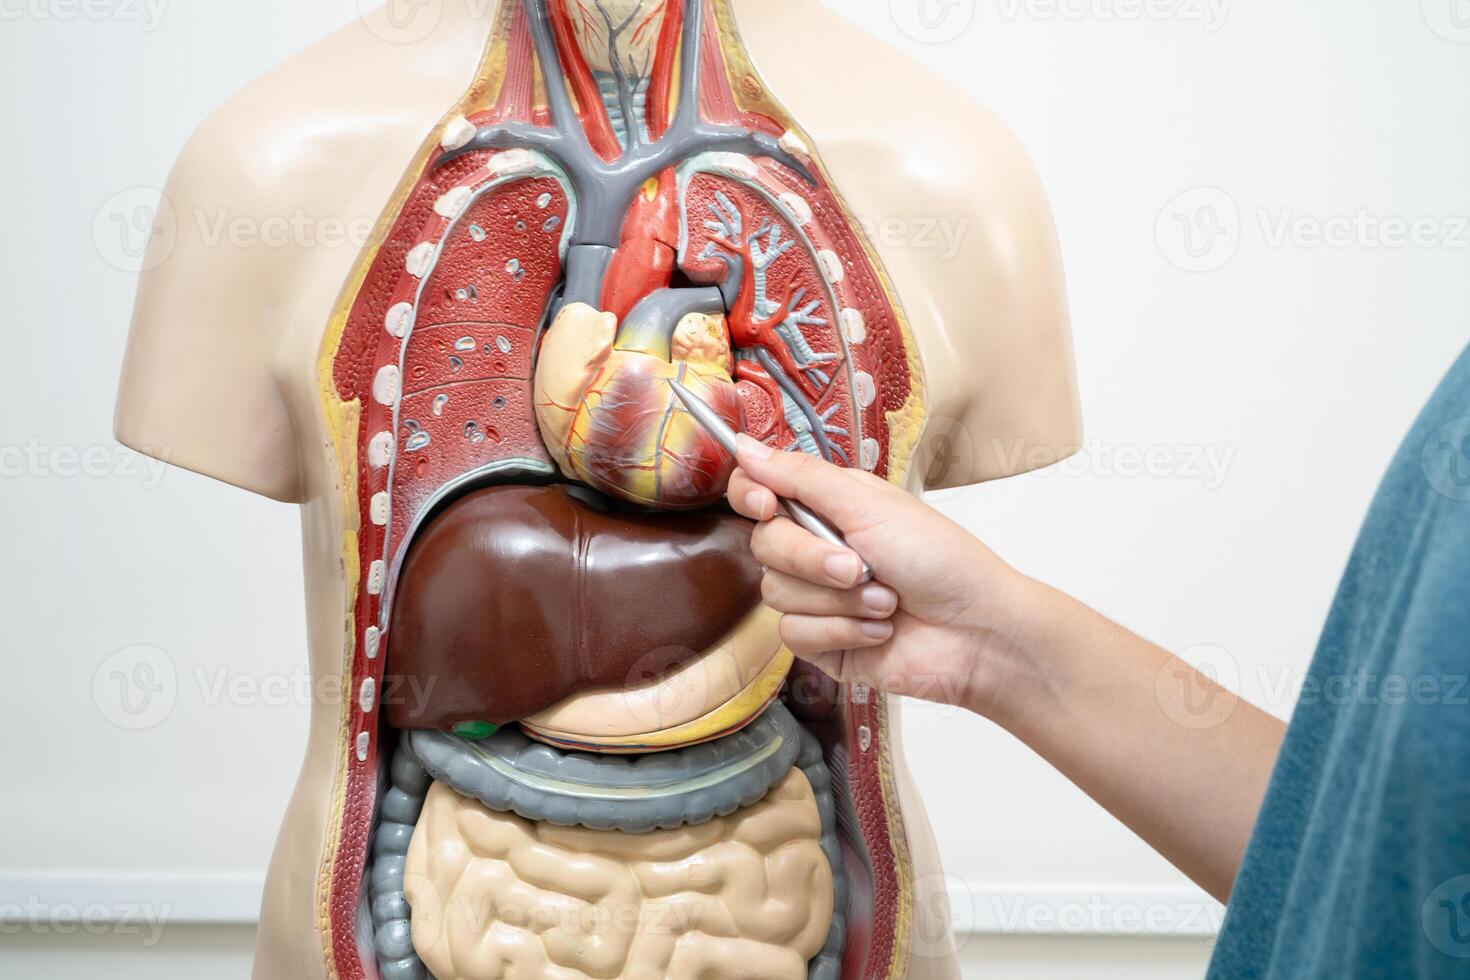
(617, 34)
(457, 14)
(619, 39)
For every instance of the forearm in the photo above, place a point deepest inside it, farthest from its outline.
(1181, 761)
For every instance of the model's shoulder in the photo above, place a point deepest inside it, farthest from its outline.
(932, 116)
(323, 137)
(857, 89)
(354, 90)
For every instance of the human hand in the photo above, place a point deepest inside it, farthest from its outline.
(937, 618)
(946, 620)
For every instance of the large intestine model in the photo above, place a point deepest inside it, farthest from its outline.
(544, 271)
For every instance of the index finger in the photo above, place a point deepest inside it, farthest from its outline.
(844, 496)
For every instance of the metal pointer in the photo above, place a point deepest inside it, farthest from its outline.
(802, 515)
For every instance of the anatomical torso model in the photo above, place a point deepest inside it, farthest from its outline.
(573, 745)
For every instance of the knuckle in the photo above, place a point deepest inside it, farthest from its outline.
(829, 603)
(761, 537)
(835, 631)
(813, 555)
(837, 604)
(805, 473)
(803, 462)
(791, 634)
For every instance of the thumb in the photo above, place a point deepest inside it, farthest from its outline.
(848, 498)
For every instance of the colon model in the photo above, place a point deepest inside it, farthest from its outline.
(546, 274)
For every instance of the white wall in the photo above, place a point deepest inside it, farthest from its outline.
(1266, 388)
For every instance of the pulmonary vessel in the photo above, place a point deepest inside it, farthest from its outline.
(518, 597)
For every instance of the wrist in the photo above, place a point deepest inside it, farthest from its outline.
(1016, 661)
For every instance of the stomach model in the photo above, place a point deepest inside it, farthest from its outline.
(567, 695)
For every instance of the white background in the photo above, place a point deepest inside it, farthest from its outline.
(1265, 380)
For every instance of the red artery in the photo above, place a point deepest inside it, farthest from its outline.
(645, 258)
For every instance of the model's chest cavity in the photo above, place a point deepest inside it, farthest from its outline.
(520, 348)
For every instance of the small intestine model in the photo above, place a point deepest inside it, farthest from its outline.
(687, 255)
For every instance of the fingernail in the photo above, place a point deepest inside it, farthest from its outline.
(755, 503)
(879, 600)
(843, 566)
(877, 631)
(752, 448)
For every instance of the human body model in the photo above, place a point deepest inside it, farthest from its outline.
(574, 203)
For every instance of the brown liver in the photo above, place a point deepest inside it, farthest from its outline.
(514, 598)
